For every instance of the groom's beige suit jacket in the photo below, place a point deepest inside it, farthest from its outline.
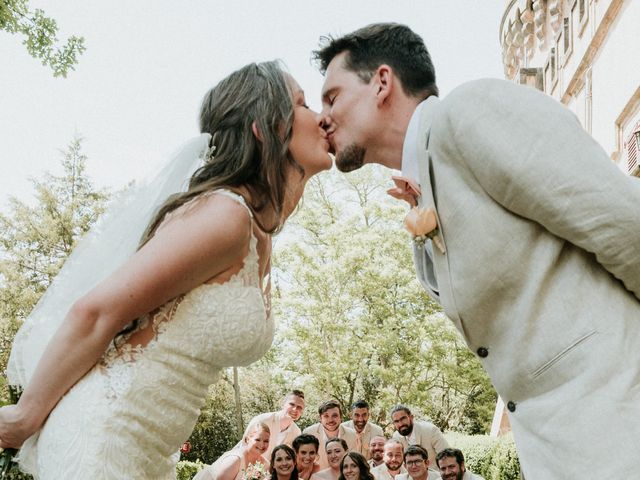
(541, 272)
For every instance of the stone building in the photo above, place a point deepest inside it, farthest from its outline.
(586, 54)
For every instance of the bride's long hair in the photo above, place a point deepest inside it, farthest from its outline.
(260, 93)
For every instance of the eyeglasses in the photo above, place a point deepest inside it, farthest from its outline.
(414, 463)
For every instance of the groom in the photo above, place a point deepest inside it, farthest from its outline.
(536, 240)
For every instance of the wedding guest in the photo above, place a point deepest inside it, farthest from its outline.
(336, 449)
(364, 429)
(450, 461)
(329, 427)
(376, 450)
(393, 459)
(417, 432)
(282, 423)
(354, 466)
(306, 448)
(417, 463)
(232, 464)
(283, 463)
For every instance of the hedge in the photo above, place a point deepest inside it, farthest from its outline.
(493, 458)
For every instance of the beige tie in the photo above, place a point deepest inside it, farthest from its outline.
(359, 442)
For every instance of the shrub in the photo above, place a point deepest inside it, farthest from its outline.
(187, 470)
(493, 458)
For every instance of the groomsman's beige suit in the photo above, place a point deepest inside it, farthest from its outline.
(346, 433)
(539, 268)
(427, 435)
(369, 431)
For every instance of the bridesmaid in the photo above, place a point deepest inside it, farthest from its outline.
(232, 464)
(283, 463)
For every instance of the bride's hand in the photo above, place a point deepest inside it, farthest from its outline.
(14, 429)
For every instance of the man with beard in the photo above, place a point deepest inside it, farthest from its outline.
(416, 461)
(393, 459)
(330, 427)
(364, 429)
(417, 432)
(376, 450)
(282, 423)
(451, 464)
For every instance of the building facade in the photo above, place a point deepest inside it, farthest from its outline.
(586, 54)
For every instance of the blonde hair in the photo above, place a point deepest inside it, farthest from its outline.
(258, 427)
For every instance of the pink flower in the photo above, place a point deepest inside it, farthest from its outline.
(422, 223)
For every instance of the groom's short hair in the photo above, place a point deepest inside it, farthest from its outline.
(383, 43)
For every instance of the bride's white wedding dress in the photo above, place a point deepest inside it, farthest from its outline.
(127, 416)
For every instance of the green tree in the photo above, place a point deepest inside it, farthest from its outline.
(36, 239)
(357, 324)
(40, 36)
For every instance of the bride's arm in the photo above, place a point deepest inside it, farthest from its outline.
(205, 240)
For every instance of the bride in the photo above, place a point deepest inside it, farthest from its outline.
(113, 386)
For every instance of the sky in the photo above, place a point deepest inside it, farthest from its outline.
(135, 94)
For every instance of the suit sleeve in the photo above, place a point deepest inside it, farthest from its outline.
(540, 164)
(438, 442)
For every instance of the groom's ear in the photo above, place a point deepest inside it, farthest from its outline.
(256, 132)
(384, 83)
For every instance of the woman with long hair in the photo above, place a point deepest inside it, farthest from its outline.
(355, 467)
(283, 463)
(116, 359)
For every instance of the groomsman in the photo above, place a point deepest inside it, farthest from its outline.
(330, 427)
(365, 430)
(282, 423)
(393, 460)
(418, 432)
(376, 449)
(451, 464)
(417, 463)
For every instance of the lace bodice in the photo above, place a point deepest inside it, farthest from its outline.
(145, 400)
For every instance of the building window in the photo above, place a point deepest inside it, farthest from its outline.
(583, 14)
(632, 147)
(567, 41)
(532, 77)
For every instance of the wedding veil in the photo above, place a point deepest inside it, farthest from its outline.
(107, 245)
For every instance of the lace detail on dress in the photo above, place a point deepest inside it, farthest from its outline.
(127, 416)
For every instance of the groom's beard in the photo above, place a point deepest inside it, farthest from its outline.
(351, 158)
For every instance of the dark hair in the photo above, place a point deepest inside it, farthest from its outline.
(450, 452)
(291, 454)
(295, 393)
(361, 462)
(416, 450)
(305, 439)
(260, 93)
(339, 440)
(359, 404)
(383, 43)
(400, 408)
(328, 405)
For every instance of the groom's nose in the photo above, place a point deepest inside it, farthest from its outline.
(326, 122)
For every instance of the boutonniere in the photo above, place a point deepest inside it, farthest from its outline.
(422, 224)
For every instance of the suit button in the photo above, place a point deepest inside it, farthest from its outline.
(483, 352)
(511, 406)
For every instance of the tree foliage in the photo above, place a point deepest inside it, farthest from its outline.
(40, 36)
(355, 321)
(36, 239)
